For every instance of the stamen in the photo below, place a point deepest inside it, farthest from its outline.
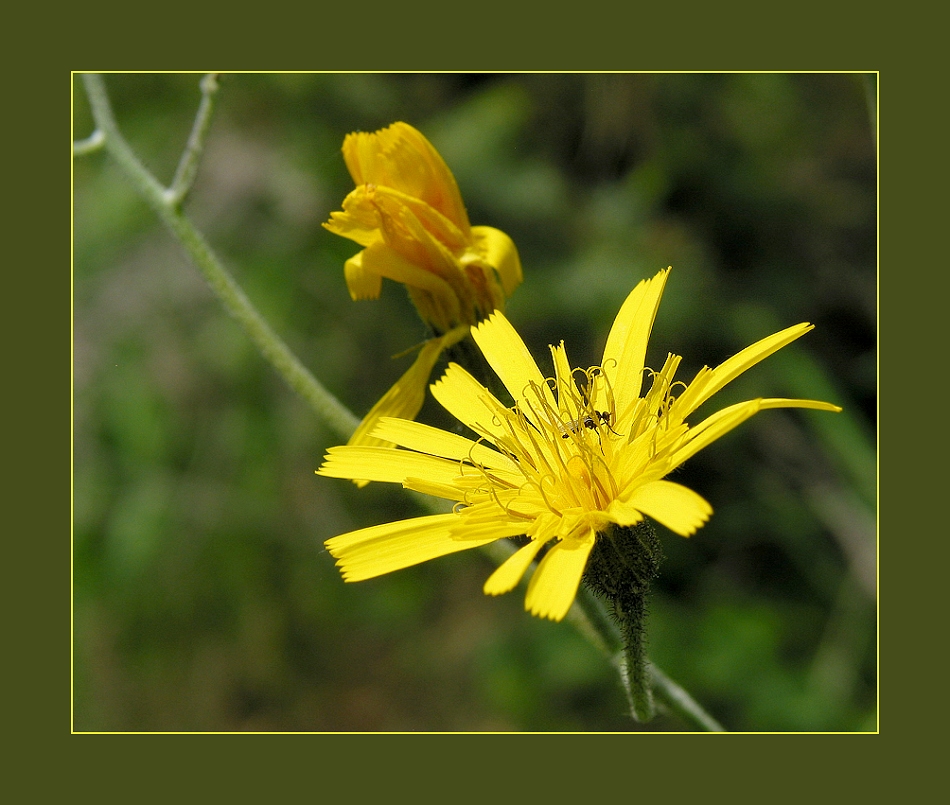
(539, 485)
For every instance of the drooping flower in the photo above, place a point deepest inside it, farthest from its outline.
(576, 454)
(407, 213)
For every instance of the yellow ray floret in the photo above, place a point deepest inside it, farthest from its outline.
(381, 549)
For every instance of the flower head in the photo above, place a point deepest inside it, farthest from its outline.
(407, 213)
(575, 454)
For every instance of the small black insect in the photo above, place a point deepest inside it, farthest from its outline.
(586, 422)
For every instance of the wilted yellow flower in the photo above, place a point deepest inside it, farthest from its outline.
(407, 213)
(575, 454)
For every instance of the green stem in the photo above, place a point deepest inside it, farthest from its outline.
(591, 619)
(188, 165)
(271, 346)
(92, 143)
(630, 611)
(620, 569)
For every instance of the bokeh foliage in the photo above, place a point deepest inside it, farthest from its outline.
(203, 599)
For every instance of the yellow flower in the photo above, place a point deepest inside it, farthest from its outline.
(407, 213)
(574, 455)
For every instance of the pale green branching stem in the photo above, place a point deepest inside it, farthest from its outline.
(587, 614)
(93, 142)
(166, 204)
(188, 166)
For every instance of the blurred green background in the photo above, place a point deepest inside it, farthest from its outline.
(203, 598)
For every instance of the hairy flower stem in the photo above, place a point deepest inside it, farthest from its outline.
(621, 567)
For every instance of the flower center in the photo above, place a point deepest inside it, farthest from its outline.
(565, 449)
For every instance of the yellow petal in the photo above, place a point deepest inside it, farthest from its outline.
(509, 573)
(720, 423)
(395, 205)
(408, 224)
(399, 156)
(554, 584)
(361, 283)
(384, 261)
(380, 549)
(677, 507)
(661, 383)
(436, 442)
(702, 388)
(508, 356)
(468, 401)
(712, 428)
(407, 394)
(359, 220)
(624, 514)
(452, 491)
(500, 252)
(489, 530)
(817, 405)
(627, 341)
(568, 400)
(387, 464)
